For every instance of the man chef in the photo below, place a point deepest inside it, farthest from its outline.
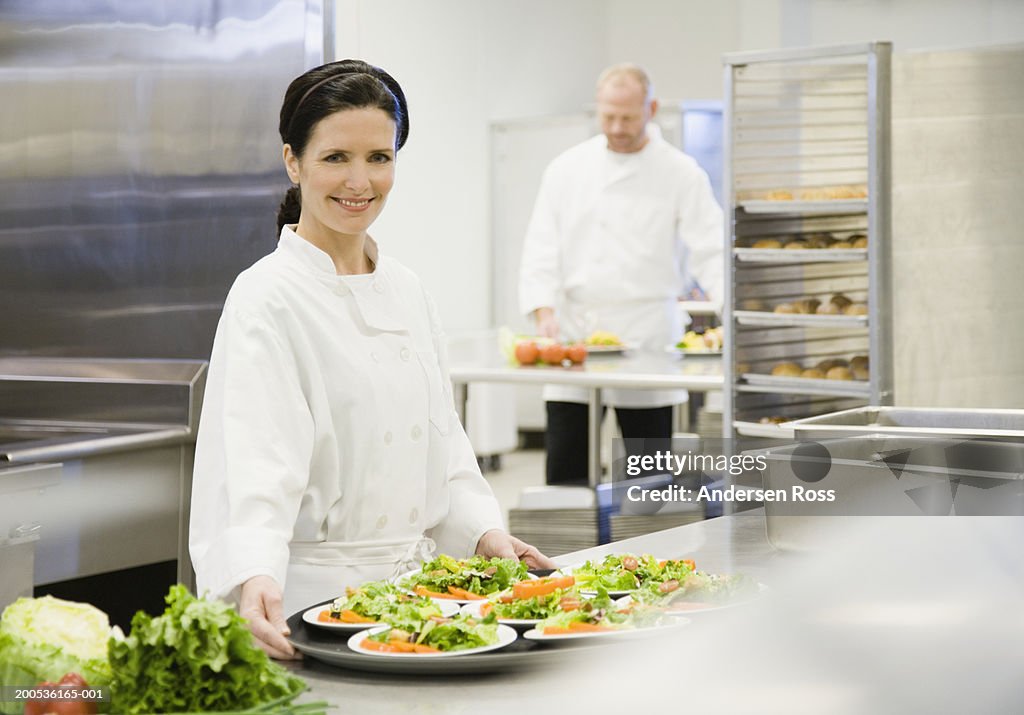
(619, 222)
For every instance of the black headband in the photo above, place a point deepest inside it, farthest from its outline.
(315, 86)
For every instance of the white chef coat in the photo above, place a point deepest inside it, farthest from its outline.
(609, 245)
(329, 451)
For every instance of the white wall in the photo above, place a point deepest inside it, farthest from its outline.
(681, 41)
(466, 63)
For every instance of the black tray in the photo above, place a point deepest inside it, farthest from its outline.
(332, 647)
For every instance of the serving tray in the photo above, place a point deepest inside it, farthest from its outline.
(806, 255)
(808, 320)
(810, 385)
(788, 206)
(332, 648)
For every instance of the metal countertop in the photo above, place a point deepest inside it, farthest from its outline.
(726, 544)
(871, 624)
(634, 369)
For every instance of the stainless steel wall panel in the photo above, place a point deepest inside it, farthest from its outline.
(139, 167)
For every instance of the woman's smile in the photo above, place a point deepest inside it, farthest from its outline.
(354, 205)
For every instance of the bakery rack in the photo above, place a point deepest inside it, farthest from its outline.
(807, 179)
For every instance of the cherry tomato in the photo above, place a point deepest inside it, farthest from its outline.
(552, 354)
(62, 707)
(527, 352)
(577, 353)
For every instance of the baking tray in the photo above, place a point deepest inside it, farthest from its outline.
(763, 429)
(805, 255)
(915, 421)
(761, 206)
(331, 647)
(806, 320)
(853, 388)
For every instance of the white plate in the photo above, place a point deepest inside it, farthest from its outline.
(674, 623)
(606, 349)
(448, 609)
(506, 635)
(674, 350)
(398, 582)
(686, 608)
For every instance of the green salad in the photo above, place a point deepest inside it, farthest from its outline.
(535, 607)
(461, 578)
(381, 602)
(627, 572)
(698, 587)
(597, 614)
(436, 635)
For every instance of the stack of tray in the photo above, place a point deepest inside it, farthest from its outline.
(626, 526)
(709, 423)
(555, 531)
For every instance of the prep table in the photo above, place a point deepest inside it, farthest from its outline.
(727, 544)
(822, 638)
(481, 361)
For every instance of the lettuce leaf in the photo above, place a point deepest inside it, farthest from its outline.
(458, 633)
(198, 656)
(535, 607)
(385, 602)
(477, 574)
(45, 638)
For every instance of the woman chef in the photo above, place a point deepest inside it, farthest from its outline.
(329, 451)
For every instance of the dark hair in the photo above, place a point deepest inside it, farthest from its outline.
(330, 88)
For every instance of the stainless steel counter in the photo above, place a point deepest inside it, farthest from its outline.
(918, 614)
(727, 544)
(124, 430)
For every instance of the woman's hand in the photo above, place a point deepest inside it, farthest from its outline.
(261, 605)
(497, 543)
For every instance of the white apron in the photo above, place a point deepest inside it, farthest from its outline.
(320, 571)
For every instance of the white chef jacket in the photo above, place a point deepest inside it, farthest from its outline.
(609, 244)
(328, 446)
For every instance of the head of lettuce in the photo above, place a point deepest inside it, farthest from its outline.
(44, 638)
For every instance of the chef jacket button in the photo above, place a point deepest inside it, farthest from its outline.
(406, 353)
(387, 438)
(416, 432)
(378, 286)
(382, 521)
(414, 515)
(374, 356)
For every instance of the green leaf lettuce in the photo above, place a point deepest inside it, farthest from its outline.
(198, 656)
(45, 638)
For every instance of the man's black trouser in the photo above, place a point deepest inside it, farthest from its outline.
(567, 441)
